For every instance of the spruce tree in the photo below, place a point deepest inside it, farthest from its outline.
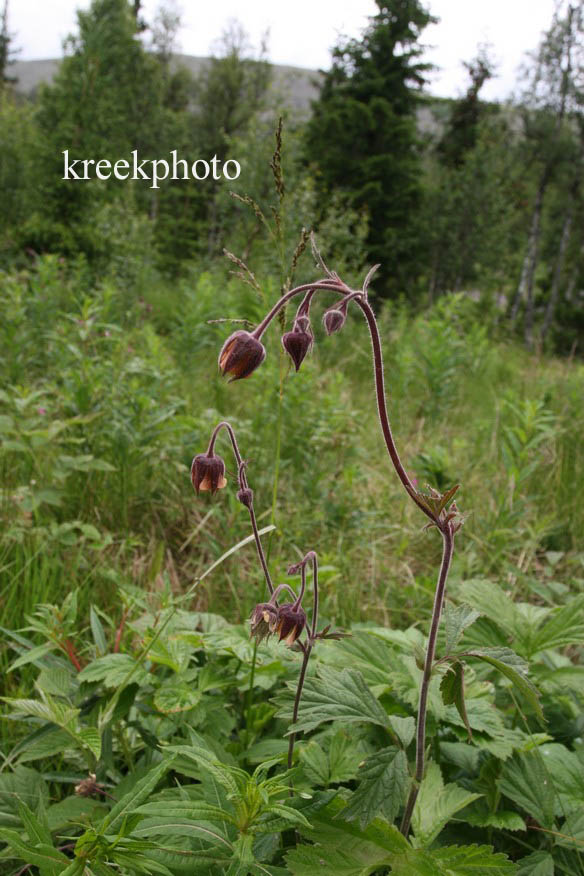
(362, 136)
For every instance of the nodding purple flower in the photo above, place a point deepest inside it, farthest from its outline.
(263, 620)
(208, 473)
(240, 355)
(334, 318)
(290, 623)
(297, 343)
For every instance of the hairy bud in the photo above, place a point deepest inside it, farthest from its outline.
(334, 318)
(297, 343)
(240, 355)
(208, 473)
(245, 496)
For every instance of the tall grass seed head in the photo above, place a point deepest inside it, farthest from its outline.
(240, 355)
(208, 473)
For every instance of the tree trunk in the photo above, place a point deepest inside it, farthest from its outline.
(575, 273)
(551, 306)
(534, 248)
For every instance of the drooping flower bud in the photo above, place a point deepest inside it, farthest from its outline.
(291, 621)
(302, 323)
(245, 496)
(297, 343)
(208, 473)
(240, 355)
(263, 620)
(334, 318)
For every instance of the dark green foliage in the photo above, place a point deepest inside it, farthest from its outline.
(362, 135)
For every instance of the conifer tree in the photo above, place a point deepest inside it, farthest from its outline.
(362, 136)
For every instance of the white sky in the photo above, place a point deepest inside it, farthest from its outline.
(302, 32)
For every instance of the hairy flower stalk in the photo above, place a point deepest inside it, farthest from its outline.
(245, 494)
(434, 506)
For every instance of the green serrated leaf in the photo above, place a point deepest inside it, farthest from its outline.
(43, 856)
(536, 864)
(472, 861)
(134, 798)
(513, 667)
(501, 820)
(176, 696)
(37, 831)
(342, 848)
(564, 627)
(526, 781)
(113, 670)
(456, 620)
(435, 806)
(333, 696)
(382, 788)
(90, 738)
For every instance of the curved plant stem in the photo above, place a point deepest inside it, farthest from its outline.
(243, 485)
(301, 678)
(310, 556)
(382, 406)
(447, 548)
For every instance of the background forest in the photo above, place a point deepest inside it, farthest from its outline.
(124, 598)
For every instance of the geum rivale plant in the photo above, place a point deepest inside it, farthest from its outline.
(242, 353)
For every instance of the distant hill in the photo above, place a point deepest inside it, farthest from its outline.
(294, 86)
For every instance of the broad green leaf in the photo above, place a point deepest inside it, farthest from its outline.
(44, 742)
(90, 738)
(338, 764)
(567, 769)
(176, 696)
(271, 822)
(56, 681)
(113, 670)
(73, 810)
(526, 781)
(162, 826)
(572, 832)
(452, 690)
(536, 864)
(37, 831)
(135, 797)
(326, 860)
(456, 619)
(501, 820)
(24, 785)
(190, 810)
(472, 861)
(564, 627)
(43, 856)
(404, 729)
(383, 784)
(333, 696)
(342, 848)
(492, 601)
(513, 667)
(32, 655)
(435, 806)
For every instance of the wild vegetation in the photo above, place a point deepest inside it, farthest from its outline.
(144, 730)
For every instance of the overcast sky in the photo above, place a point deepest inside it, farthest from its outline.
(302, 32)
